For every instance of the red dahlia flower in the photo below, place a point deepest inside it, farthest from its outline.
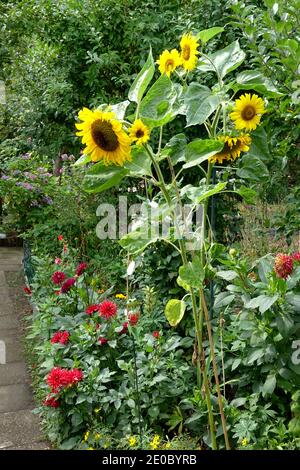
(51, 401)
(61, 337)
(133, 318)
(59, 378)
(60, 238)
(81, 268)
(92, 309)
(156, 334)
(283, 265)
(67, 285)
(27, 290)
(102, 340)
(107, 309)
(58, 277)
(75, 375)
(296, 256)
(125, 328)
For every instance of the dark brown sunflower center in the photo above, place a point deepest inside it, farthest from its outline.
(139, 133)
(169, 64)
(104, 135)
(248, 113)
(186, 52)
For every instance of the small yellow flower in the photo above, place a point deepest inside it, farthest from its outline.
(86, 436)
(168, 445)
(97, 436)
(139, 133)
(168, 61)
(120, 296)
(97, 410)
(90, 448)
(244, 442)
(155, 442)
(132, 441)
(247, 111)
(189, 52)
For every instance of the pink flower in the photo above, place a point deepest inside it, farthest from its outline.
(61, 337)
(92, 309)
(57, 261)
(296, 256)
(67, 285)
(102, 340)
(81, 268)
(60, 238)
(58, 277)
(108, 309)
(156, 334)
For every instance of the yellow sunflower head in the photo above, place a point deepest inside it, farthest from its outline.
(189, 52)
(233, 146)
(104, 137)
(139, 133)
(169, 61)
(247, 112)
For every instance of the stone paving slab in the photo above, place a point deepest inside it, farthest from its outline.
(14, 351)
(13, 373)
(15, 397)
(8, 321)
(20, 430)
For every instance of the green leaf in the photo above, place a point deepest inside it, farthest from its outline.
(120, 109)
(183, 284)
(199, 104)
(223, 299)
(198, 195)
(136, 241)
(69, 444)
(247, 194)
(238, 402)
(259, 145)
(227, 275)
(83, 160)
(254, 80)
(253, 169)
(157, 108)
(100, 177)
(254, 355)
(140, 164)
(174, 149)
(236, 363)
(174, 311)
(263, 302)
(192, 273)
(269, 385)
(206, 34)
(200, 150)
(142, 80)
(224, 61)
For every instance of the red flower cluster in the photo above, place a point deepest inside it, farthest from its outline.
(51, 401)
(92, 309)
(156, 334)
(58, 277)
(61, 337)
(283, 265)
(81, 268)
(60, 238)
(133, 318)
(27, 290)
(67, 285)
(296, 256)
(102, 340)
(107, 309)
(59, 378)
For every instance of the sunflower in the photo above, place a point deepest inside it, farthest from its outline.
(247, 111)
(233, 146)
(139, 132)
(168, 61)
(189, 52)
(104, 137)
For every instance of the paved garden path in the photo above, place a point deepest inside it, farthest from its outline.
(19, 428)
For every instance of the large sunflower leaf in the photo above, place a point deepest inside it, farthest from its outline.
(200, 150)
(254, 80)
(158, 106)
(253, 169)
(175, 149)
(101, 177)
(199, 103)
(174, 311)
(199, 194)
(142, 80)
(224, 61)
(140, 164)
(83, 160)
(206, 34)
